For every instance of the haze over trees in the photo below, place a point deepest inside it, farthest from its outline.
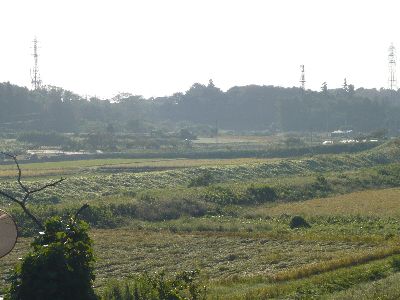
(239, 108)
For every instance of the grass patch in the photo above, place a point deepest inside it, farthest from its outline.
(378, 203)
(314, 287)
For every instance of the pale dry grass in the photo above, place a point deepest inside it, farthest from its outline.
(379, 203)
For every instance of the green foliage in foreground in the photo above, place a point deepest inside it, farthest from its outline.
(60, 265)
(184, 286)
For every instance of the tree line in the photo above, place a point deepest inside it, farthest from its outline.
(250, 108)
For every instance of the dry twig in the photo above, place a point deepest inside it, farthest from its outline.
(22, 202)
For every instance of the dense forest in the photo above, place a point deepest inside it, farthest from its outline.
(246, 108)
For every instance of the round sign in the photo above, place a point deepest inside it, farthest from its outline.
(8, 233)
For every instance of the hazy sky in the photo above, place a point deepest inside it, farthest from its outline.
(158, 47)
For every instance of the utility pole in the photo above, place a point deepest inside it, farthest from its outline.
(35, 76)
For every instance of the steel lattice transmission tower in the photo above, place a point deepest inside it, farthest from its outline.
(302, 78)
(392, 68)
(35, 76)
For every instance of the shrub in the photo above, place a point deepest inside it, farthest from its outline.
(321, 183)
(151, 208)
(185, 134)
(102, 216)
(221, 195)
(298, 222)
(293, 141)
(156, 287)
(60, 265)
(396, 264)
(204, 179)
(260, 194)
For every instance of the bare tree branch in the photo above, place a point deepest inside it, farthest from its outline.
(27, 192)
(13, 157)
(80, 210)
(46, 186)
(33, 217)
(23, 206)
(6, 195)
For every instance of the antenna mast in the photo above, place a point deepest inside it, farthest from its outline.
(392, 67)
(345, 85)
(302, 78)
(35, 76)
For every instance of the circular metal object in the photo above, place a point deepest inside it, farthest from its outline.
(8, 233)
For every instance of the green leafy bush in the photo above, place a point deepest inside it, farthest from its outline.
(59, 266)
(183, 286)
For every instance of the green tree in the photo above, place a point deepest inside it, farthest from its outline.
(59, 266)
(186, 134)
(351, 90)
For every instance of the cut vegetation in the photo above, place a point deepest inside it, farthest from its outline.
(293, 228)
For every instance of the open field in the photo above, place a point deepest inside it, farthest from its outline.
(373, 203)
(101, 178)
(227, 139)
(222, 256)
(232, 263)
(68, 168)
(230, 228)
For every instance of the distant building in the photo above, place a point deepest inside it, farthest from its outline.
(340, 133)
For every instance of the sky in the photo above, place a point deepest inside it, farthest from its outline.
(159, 47)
